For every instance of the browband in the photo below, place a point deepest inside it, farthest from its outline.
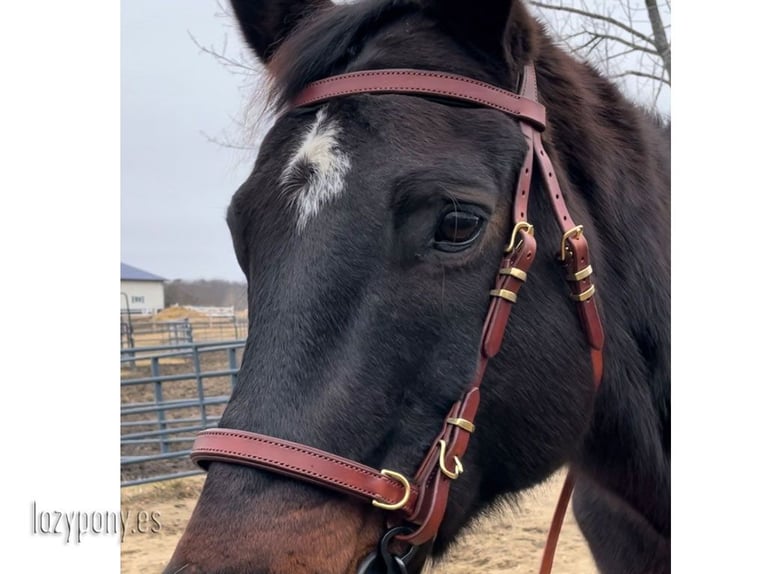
(405, 81)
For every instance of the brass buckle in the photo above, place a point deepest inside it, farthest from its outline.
(458, 465)
(407, 491)
(528, 227)
(574, 232)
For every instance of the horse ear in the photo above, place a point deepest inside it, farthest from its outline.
(266, 23)
(501, 27)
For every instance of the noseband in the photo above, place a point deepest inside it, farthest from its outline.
(418, 502)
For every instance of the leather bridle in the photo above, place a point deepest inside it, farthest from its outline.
(420, 500)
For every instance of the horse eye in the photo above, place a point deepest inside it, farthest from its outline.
(457, 230)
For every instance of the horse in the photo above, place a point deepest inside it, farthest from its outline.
(370, 232)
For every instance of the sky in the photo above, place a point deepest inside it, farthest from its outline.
(175, 182)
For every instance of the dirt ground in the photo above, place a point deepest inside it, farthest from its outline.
(507, 542)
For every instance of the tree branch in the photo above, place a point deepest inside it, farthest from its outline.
(660, 39)
(228, 144)
(235, 66)
(595, 16)
(627, 43)
(640, 74)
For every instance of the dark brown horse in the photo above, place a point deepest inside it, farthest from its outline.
(370, 231)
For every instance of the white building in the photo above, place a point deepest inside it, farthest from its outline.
(141, 292)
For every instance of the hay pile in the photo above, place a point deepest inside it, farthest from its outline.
(177, 312)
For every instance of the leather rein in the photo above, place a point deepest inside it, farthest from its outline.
(420, 500)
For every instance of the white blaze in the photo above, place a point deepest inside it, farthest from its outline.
(329, 165)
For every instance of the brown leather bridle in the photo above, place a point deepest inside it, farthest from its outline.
(421, 500)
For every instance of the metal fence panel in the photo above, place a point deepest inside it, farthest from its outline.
(168, 394)
(148, 331)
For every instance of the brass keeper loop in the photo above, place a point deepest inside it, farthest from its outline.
(514, 272)
(585, 295)
(458, 465)
(575, 232)
(464, 424)
(407, 491)
(580, 275)
(504, 294)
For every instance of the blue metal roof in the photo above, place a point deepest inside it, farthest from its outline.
(130, 273)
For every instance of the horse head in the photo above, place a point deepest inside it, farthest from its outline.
(370, 231)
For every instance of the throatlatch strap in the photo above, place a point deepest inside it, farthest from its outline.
(549, 552)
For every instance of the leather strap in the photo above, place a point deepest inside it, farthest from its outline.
(433, 481)
(549, 552)
(576, 257)
(406, 81)
(576, 260)
(303, 462)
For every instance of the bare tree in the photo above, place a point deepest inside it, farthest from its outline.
(253, 119)
(628, 40)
